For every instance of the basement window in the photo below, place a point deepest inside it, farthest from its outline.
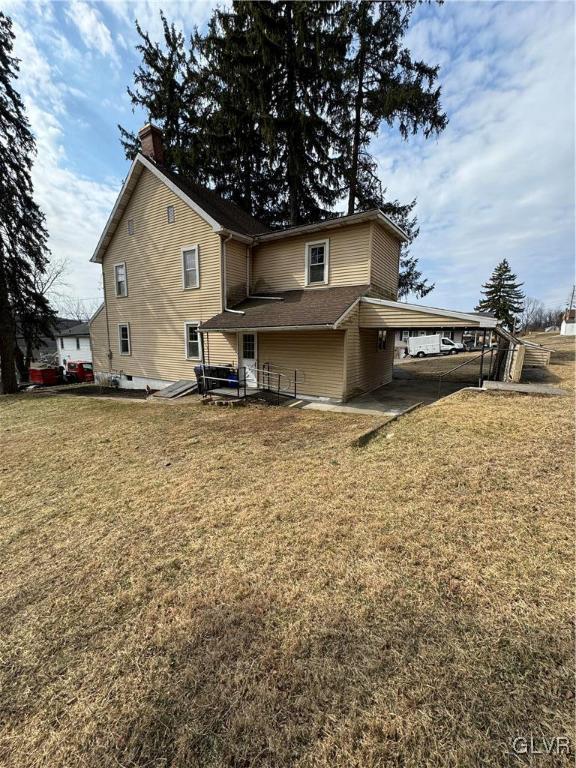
(317, 263)
(170, 214)
(124, 338)
(381, 340)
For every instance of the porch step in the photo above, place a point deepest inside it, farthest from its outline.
(232, 392)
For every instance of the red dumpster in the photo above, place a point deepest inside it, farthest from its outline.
(45, 376)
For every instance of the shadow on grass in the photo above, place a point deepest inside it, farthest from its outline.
(240, 685)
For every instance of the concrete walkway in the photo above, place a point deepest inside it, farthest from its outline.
(391, 399)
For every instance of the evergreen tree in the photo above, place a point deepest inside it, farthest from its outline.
(300, 48)
(23, 236)
(384, 85)
(167, 85)
(239, 162)
(502, 296)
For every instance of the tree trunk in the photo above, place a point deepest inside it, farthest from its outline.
(291, 116)
(21, 365)
(358, 103)
(7, 340)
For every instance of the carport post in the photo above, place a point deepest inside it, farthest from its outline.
(481, 380)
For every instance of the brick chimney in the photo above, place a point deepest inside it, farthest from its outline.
(151, 141)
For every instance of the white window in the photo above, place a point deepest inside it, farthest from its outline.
(120, 282)
(405, 335)
(170, 214)
(317, 263)
(190, 273)
(193, 342)
(130, 226)
(124, 338)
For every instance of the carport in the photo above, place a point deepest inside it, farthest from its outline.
(503, 363)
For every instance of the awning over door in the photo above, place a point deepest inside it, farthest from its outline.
(380, 313)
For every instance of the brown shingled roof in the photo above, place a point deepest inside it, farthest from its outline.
(226, 213)
(320, 307)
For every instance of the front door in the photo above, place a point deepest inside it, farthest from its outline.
(249, 352)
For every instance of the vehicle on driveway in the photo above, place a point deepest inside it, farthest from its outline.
(424, 346)
(79, 372)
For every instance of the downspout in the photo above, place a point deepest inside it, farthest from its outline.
(109, 353)
(223, 267)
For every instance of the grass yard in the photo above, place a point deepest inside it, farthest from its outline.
(184, 586)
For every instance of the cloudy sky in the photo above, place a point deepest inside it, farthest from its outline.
(498, 183)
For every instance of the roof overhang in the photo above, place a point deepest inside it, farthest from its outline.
(381, 313)
(254, 328)
(341, 221)
(140, 163)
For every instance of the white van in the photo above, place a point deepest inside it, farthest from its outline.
(422, 346)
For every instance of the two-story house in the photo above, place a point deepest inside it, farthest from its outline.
(190, 278)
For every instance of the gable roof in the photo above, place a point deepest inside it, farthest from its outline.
(222, 215)
(80, 329)
(374, 214)
(307, 308)
(226, 213)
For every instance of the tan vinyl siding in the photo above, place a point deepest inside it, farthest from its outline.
(385, 263)
(366, 366)
(99, 341)
(221, 348)
(317, 356)
(281, 265)
(374, 316)
(235, 272)
(157, 307)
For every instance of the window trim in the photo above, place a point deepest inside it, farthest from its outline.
(168, 209)
(195, 247)
(121, 295)
(307, 248)
(195, 324)
(124, 354)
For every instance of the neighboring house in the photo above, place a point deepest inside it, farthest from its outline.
(74, 345)
(189, 278)
(568, 326)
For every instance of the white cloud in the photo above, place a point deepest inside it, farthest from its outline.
(499, 182)
(93, 31)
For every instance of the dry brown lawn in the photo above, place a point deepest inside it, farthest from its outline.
(184, 586)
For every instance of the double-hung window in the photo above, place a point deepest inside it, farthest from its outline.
(120, 282)
(124, 338)
(317, 263)
(193, 343)
(190, 271)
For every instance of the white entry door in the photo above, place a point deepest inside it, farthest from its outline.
(248, 359)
